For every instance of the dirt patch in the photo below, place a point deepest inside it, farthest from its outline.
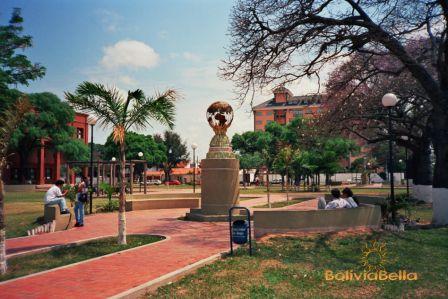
(332, 235)
(365, 291)
(271, 263)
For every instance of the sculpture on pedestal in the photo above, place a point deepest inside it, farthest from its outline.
(219, 171)
(220, 117)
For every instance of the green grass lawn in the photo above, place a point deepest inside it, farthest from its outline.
(281, 204)
(287, 267)
(363, 191)
(24, 265)
(24, 210)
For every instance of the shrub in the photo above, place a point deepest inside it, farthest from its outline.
(109, 206)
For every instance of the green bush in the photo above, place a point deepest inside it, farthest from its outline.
(109, 206)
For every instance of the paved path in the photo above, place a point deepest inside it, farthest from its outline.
(187, 242)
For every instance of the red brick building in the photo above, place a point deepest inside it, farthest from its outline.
(44, 164)
(284, 107)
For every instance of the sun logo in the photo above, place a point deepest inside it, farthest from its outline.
(374, 256)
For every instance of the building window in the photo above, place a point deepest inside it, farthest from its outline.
(269, 113)
(79, 133)
(259, 122)
(309, 111)
(297, 112)
(259, 113)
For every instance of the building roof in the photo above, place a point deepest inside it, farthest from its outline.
(294, 101)
(174, 171)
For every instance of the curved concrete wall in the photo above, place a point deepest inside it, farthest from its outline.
(290, 221)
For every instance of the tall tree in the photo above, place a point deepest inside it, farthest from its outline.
(153, 152)
(176, 151)
(123, 113)
(15, 68)
(282, 163)
(352, 107)
(48, 120)
(249, 161)
(288, 40)
(9, 120)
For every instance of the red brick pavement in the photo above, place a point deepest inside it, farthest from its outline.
(188, 243)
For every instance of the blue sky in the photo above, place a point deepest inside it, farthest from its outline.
(152, 45)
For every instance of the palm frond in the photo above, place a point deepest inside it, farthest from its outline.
(138, 95)
(161, 109)
(94, 98)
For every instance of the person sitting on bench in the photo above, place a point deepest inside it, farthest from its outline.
(55, 196)
(347, 194)
(336, 203)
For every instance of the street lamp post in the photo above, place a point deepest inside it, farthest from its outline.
(91, 121)
(112, 172)
(140, 155)
(406, 138)
(170, 151)
(194, 146)
(389, 101)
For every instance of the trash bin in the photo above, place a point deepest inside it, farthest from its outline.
(240, 230)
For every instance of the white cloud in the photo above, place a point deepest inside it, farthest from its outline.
(110, 20)
(127, 80)
(191, 56)
(129, 54)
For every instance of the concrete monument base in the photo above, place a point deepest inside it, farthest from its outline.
(219, 190)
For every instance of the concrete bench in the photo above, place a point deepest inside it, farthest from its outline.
(62, 221)
(291, 221)
(162, 201)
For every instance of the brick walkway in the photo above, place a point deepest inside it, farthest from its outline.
(188, 242)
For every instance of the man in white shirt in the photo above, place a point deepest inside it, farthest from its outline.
(336, 203)
(55, 196)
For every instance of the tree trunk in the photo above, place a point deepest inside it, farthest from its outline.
(421, 171)
(244, 178)
(287, 188)
(267, 188)
(122, 198)
(23, 155)
(440, 181)
(3, 264)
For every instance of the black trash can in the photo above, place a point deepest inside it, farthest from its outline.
(240, 229)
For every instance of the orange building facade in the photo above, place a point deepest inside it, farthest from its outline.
(285, 106)
(44, 163)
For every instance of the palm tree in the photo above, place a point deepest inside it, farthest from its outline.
(9, 120)
(123, 113)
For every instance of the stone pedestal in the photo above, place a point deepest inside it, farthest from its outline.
(219, 190)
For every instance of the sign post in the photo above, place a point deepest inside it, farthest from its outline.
(240, 230)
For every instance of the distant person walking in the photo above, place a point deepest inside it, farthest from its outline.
(54, 196)
(81, 199)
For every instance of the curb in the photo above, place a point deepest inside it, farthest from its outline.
(152, 285)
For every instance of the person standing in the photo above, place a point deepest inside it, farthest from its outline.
(54, 196)
(81, 199)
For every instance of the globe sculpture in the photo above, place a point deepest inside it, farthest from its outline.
(219, 171)
(220, 117)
